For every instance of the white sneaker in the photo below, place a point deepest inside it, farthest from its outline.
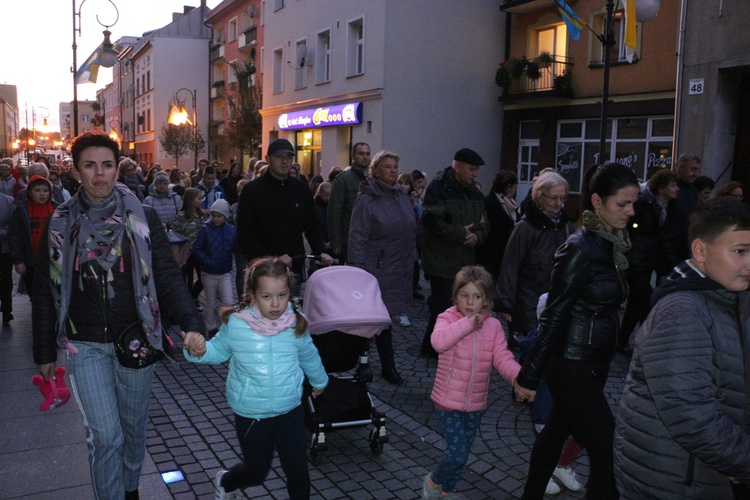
(430, 489)
(552, 488)
(567, 477)
(403, 320)
(220, 494)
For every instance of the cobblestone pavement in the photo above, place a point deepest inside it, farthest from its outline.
(191, 429)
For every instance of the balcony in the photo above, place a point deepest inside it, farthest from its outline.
(217, 53)
(248, 39)
(526, 6)
(553, 81)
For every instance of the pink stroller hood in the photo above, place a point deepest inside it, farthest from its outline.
(347, 299)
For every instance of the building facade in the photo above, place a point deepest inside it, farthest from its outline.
(552, 87)
(411, 77)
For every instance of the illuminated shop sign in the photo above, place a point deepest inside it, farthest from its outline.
(329, 116)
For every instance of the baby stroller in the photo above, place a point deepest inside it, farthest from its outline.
(344, 310)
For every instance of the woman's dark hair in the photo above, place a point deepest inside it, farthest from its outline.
(240, 173)
(175, 175)
(727, 189)
(416, 175)
(702, 182)
(605, 180)
(316, 181)
(716, 216)
(661, 180)
(503, 180)
(271, 267)
(93, 139)
(187, 201)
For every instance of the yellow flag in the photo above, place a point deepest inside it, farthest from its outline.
(631, 36)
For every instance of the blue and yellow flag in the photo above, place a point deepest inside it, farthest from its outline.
(572, 20)
(89, 70)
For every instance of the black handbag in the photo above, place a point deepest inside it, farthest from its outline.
(133, 348)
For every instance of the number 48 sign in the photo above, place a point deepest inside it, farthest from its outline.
(696, 86)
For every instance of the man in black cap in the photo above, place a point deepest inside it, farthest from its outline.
(454, 223)
(276, 209)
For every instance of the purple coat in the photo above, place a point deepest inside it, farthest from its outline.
(382, 238)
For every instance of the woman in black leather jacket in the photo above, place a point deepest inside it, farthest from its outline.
(578, 333)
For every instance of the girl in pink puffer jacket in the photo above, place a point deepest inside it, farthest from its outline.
(469, 343)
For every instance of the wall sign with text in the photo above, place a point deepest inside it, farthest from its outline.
(327, 116)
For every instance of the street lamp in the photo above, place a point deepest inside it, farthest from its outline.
(44, 128)
(107, 53)
(180, 117)
(648, 9)
(112, 132)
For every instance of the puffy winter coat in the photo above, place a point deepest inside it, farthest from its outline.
(682, 427)
(580, 321)
(448, 208)
(466, 358)
(382, 241)
(527, 264)
(214, 247)
(166, 205)
(265, 371)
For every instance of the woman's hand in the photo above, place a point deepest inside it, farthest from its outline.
(47, 371)
(317, 392)
(195, 343)
(21, 268)
(523, 395)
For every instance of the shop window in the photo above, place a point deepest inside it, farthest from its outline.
(644, 144)
(323, 56)
(355, 48)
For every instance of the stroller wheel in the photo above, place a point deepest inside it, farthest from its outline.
(376, 442)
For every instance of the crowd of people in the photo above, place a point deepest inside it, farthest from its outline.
(100, 233)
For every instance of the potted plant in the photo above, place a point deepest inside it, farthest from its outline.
(533, 72)
(516, 67)
(544, 60)
(562, 85)
(502, 76)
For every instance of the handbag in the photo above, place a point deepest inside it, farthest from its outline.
(133, 348)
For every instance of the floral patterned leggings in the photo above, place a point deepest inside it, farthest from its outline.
(459, 430)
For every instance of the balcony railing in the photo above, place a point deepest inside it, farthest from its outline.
(247, 39)
(546, 82)
(217, 52)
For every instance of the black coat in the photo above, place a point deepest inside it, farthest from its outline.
(679, 212)
(490, 253)
(647, 245)
(86, 311)
(580, 321)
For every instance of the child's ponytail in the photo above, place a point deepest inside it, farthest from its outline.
(301, 326)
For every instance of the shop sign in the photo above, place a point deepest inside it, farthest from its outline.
(329, 116)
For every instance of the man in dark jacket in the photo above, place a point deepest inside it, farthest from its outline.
(454, 222)
(344, 190)
(682, 426)
(275, 210)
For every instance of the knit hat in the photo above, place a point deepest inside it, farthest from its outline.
(221, 206)
(161, 174)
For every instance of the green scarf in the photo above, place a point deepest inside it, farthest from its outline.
(619, 237)
(82, 231)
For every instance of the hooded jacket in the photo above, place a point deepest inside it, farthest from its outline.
(20, 232)
(682, 427)
(466, 358)
(214, 246)
(210, 194)
(265, 370)
(382, 241)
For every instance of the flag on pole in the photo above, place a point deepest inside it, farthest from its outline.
(631, 33)
(572, 20)
(89, 70)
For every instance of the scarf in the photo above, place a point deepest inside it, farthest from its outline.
(618, 237)
(82, 232)
(264, 326)
(509, 206)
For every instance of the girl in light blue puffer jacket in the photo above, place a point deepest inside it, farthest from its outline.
(270, 352)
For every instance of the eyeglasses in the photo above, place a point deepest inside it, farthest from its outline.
(561, 199)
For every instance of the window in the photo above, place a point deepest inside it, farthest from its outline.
(232, 30)
(278, 4)
(355, 48)
(232, 74)
(643, 144)
(323, 56)
(618, 52)
(278, 71)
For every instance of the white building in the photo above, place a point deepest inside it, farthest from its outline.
(415, 77)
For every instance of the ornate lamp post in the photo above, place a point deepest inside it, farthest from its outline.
(180, 117)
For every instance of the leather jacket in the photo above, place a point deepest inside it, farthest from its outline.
(580, 321)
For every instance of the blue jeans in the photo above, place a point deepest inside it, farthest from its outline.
(459, 430)
(114, 403)
(258, 438)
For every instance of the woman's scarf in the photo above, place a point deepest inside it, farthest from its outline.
(509, 206)
(619, 237)
(264, 326)
(81, 232)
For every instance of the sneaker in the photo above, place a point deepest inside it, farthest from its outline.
(403, 320)
(552, 488)
(430, 489)
(220, 494)
(567, 477)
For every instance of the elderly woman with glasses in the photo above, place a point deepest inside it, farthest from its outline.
(527, 262)
(130, 177)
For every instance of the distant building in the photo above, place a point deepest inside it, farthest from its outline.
(9, 120)
(86, 118)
